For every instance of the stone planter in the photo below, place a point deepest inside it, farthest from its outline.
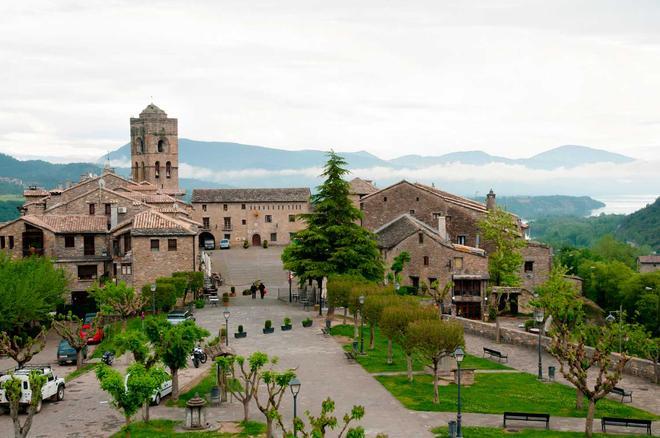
(268, 330)
(286, 327)
(307, 323)
(240, 335)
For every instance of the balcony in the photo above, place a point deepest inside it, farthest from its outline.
(227, 228)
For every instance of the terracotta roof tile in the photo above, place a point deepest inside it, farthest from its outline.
(35, 192)
(359, 186)
(70, 223)
(151, 222)
(252, 195)
(649, 259)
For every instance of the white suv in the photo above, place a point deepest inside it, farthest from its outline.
(53, 389)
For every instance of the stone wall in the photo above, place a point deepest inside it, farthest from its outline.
(540, 257)
(110, 181)
(99, 198)
(254, 216)
(149, 265)
(16, 230)
(635, 367)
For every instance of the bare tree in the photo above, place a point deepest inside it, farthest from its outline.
(13, 388)
(69, 327)
(22, 348)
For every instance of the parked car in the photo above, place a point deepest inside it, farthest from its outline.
(165, 389)
(92, 338)
(224, 244)
(178, 316)
(209, 244)
(53, 389)
(66, 353)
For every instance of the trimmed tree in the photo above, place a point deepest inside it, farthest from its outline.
(374, 304)
(500, 229)
(13, 389)
(433, 340)
(394, 324)
(118, 299)
(398, 264)
(277, 384)
(333, 242)
(131, 391)
(244, 377)
(173, 344)
(30, 288)
(327, 420)
(69, 327)
(339, 291)
(569, 333)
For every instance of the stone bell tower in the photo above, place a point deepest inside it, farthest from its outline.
(155, 150)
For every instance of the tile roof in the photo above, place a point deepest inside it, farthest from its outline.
(454, 198)
(392, 233)
(649, 259)
(69, 223)
(252, 195)
(359, 186)
(153, 223)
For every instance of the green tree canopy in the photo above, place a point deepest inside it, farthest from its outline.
(333, 242)
(500, 229)
(117, 299)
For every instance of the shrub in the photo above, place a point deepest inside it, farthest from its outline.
(199, 304)
(233, 289)
(247, 292)
(214, 341)
(223, 332)
(492, 313)
(407, 290)
(287, 321)
(164, 297)
(264, 244)
(240, 328)
(307, 320)
(246, 245)
(268, 324)
(225, 297)
(529, 324)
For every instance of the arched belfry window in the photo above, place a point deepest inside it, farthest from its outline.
(168, 169)
(161, 145)
(144, 173)
(157, 169)
(136, 171)
(139, 146)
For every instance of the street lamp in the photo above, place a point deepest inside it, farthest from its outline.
(153, 298)
(361, 299)
(611, 318)
(226, 315)
(294, 386)
(538, 316)
(459, 354)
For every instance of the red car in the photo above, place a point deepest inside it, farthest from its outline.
(95, 338)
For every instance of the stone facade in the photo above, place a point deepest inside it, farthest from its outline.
(536, 266)
(648, 263)
(149, 265)
(155, 150)
(254, 215)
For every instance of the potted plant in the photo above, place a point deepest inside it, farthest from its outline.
(268, 327)
(286, 324)
(264, 244)
(233, 291)
(240, 333)
(246, 245)
(225, 299)
(307, 322)
(199, 304)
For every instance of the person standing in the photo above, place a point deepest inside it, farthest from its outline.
(253, 290)
(262, 290)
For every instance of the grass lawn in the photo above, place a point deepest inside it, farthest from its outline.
(77, 373)
(165, 428)
(375, 361)
(487, 432)
(203, 388)
(496, 393)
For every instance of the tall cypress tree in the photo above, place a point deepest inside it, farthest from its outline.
(333, 242)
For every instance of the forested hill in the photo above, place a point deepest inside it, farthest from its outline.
(43, 173)
(642, 227)
(533, 207)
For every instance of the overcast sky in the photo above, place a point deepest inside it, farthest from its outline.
(512, 78)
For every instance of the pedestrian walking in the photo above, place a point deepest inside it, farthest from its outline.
(253, 290)
(262, 290)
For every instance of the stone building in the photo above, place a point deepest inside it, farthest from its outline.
(254, 215)
(648, 263)
(358, 189)
(457, 215)
(105, 225)
(433, 257)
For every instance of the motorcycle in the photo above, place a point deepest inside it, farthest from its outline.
(198, 356)
(108, 357)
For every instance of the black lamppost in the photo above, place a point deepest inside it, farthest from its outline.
(459, 354)
(295, 385)
(538, 316)
(226, 315)
(361, 299)
(153, 298)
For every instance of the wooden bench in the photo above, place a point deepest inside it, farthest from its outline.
(623, 393)
(625, 422)
(349, 356)
(496, 354)
(526, 416)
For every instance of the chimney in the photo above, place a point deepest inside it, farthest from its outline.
(113, 216)
(490, 200)
(442, 227)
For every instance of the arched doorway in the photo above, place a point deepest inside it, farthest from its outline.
(206, 240)
(256, 240)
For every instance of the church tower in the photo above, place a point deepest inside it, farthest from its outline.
(155, 150)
